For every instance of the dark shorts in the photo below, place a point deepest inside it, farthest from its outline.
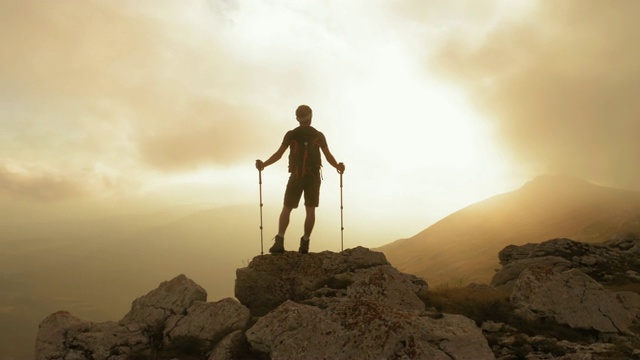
(308, 184)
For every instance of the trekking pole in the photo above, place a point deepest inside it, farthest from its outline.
(260, 185)
(341, 218)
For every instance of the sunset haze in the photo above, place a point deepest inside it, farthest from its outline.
(130, 130)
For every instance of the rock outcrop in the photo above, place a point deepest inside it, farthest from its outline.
(574, 299)
(359, 309)
(270, 280)
(169, 299)
(165, 318)
(613, 262)
(63, 336)
(562, 280)
(361, 329)
(348, 305)
(355, 305)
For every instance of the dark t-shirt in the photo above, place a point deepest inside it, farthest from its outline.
(309, 129)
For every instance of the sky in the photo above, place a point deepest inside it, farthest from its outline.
(432, 105)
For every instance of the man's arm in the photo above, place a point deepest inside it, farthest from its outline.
(332, 160)
(275, 157)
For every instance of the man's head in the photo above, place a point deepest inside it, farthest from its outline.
(304, 114)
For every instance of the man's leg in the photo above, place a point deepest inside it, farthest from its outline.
(285, 215)
(291, 200)
(311, 201)
(278, 246)
(309, 221)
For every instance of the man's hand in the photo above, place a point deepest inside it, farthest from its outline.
(259, 165)
(340, 168)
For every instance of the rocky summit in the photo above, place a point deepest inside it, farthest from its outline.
(560, 299)
(348, 305)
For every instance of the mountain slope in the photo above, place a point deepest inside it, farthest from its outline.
(463, 247)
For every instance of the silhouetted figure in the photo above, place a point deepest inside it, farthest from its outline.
(304, 143)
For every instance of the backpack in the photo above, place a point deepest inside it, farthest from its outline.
(304, 151)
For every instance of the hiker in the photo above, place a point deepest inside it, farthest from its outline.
(304, 143)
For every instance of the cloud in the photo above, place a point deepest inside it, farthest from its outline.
(206, 132)
(38, 184)
(20, 180)
(561, 85)
(124, 84)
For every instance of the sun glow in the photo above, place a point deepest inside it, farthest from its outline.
(431, 142)
(415, 149)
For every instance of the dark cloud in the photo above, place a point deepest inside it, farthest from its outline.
(38, 185)
(562, 86)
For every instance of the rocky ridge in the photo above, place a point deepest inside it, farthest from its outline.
(613, 262)
(572, 285)
(348, 305)
(355, 305)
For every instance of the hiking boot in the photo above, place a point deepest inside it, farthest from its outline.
(278, 246)
(304, 246)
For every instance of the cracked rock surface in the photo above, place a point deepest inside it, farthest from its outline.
(573, 298)
(175, 310)
(170, 298)
(348, 305)
(614, 261)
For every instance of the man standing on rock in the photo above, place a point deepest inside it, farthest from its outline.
(304, 143)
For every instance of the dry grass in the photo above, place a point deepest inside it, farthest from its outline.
(484, 303)
(479, 303)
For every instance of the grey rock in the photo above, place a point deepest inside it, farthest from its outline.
(377, 314)
(52, 333)
(232, 346)
(270, 280)
(177, 303)
(172, 297)
(491, 326)
(208, 321)
(508, 275)
(629, 243)
(614, 261)
(572, 298)
(387, 287)
(63, 336)
(364, 330)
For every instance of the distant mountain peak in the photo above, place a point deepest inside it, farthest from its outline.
(556, 180)
(462, 246)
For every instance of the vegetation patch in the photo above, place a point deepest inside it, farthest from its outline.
(479, 303)
(484, 303)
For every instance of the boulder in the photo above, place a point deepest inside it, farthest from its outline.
(364, 329)
(174, 310)
(628, 243)
(349, 310)
(508, 275)
(232, 346)
(614, 261)
(52, 334)
(573, 298)
(387, 287)
(270, 280)
(172, 297)
(63, 336)
(208, 321)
